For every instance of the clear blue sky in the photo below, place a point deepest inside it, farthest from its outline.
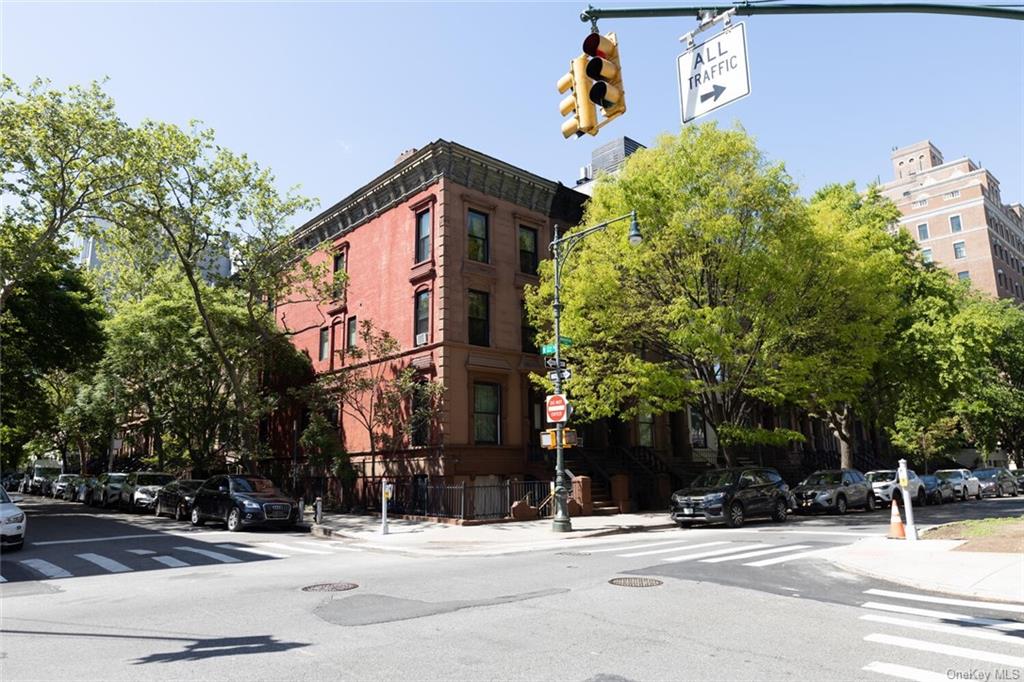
(328, 94)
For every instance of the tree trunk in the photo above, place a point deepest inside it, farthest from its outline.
(158, 446)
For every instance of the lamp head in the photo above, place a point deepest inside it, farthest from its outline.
(634, 232)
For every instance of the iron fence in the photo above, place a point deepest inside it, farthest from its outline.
(462, 501)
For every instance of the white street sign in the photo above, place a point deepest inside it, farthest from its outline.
(714, 73)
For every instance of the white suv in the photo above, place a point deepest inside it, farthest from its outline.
(965, 483)
(886, 487)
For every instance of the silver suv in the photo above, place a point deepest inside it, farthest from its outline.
(886, 487)
(965, 484)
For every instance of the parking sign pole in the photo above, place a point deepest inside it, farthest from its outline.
(384, 506)
(908, 504)
(561, 522)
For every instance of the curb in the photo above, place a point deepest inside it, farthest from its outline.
(928, 587)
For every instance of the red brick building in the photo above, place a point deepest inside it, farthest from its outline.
(438, 250)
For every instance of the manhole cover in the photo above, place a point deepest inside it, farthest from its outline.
(635, 582)
(330, 587)
(573, 553)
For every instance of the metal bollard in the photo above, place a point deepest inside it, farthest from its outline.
(318, 510)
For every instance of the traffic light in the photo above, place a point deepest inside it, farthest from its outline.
(578, 103)
(605, 71)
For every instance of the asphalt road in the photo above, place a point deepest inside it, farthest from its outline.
(753, 604)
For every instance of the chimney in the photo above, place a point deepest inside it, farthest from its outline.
(405, 155)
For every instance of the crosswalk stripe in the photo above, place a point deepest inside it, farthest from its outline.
(994, 623)
(960, 631)
(714, 552)
(994, 606)
(170, 561)
(676, 547)
(852, 534)
(331, 545)
(622, 548)
(905, 672)
(788, 557)
(140, 552)
(253, 550)
(46, 568)
(946, 649)
(104, 562)
(223, 558)
(292, 548)
(751, 555)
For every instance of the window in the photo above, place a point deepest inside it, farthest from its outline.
(955, 194)
(350, 334)
(920, 203)
(423, 236)
(487, 413)
(340, 265)
(926, 254)
(964, 275)
(922, 231)
(421, 423)
(1002, 279)
(529, 333)
(478, 237)
(422, 317)
(527, 250)
(959, 250)
(698, 435)
(479, 318)
(645, 430)
(325, 342)
(954, 223)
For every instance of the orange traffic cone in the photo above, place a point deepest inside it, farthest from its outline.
(896, 531)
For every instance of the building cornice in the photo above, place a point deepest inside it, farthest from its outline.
(442, 160)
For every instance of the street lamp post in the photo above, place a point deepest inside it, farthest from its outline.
(561, 247)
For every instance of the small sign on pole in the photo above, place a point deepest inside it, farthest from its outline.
(714, 73)
(552, 363)
(386, 491)
(557, 409)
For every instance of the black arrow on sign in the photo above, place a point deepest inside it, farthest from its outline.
(716, 92)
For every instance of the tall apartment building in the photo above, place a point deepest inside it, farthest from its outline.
(956, 214)
(609, 158)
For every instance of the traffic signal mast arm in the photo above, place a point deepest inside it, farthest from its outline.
(592, 14)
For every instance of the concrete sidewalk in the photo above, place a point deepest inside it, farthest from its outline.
(441, 539)
(933, 565)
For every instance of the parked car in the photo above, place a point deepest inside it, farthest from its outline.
(996, 482)
(834, 490)
(1019, 475)
(12, 481)
(938, 490)
(107, 489)
(12, 521)
(733, 496)
(965, 483)
(242, 501)
(86, 486)
(176, 497)
(140, 488)
(60, 485)
(887, 488)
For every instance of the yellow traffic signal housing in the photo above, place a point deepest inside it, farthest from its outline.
(605, 71)
(578, 103)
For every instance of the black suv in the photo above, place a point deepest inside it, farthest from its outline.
(243, 501)
(732, 496)
(835, 491)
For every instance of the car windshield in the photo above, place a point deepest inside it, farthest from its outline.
(874, 476)
(251, 485)
(65, 477)
(117, 478)
(929, 479)
(715, 479)
(824, 478)
(986, 474)
(47, 473)
(155, 479)
(4, 497)
(949, 475)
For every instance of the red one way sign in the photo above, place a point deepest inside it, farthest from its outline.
(557, 408)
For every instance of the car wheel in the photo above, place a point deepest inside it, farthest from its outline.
(922, 498)
(158, 509)
(978, 496)
(197, 520)
(735, 517)
(180, 512)
(779, 513)
(869, 505)
(964, 495)
(840, 505)
(234, 520)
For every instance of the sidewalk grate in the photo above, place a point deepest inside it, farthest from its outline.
(635, 582)
(330, 587)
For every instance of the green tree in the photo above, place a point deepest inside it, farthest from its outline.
(705, 309)
(62, 157)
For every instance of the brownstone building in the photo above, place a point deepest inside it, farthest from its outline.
(955, 212)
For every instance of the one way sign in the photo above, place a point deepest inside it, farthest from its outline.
(714, 73)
